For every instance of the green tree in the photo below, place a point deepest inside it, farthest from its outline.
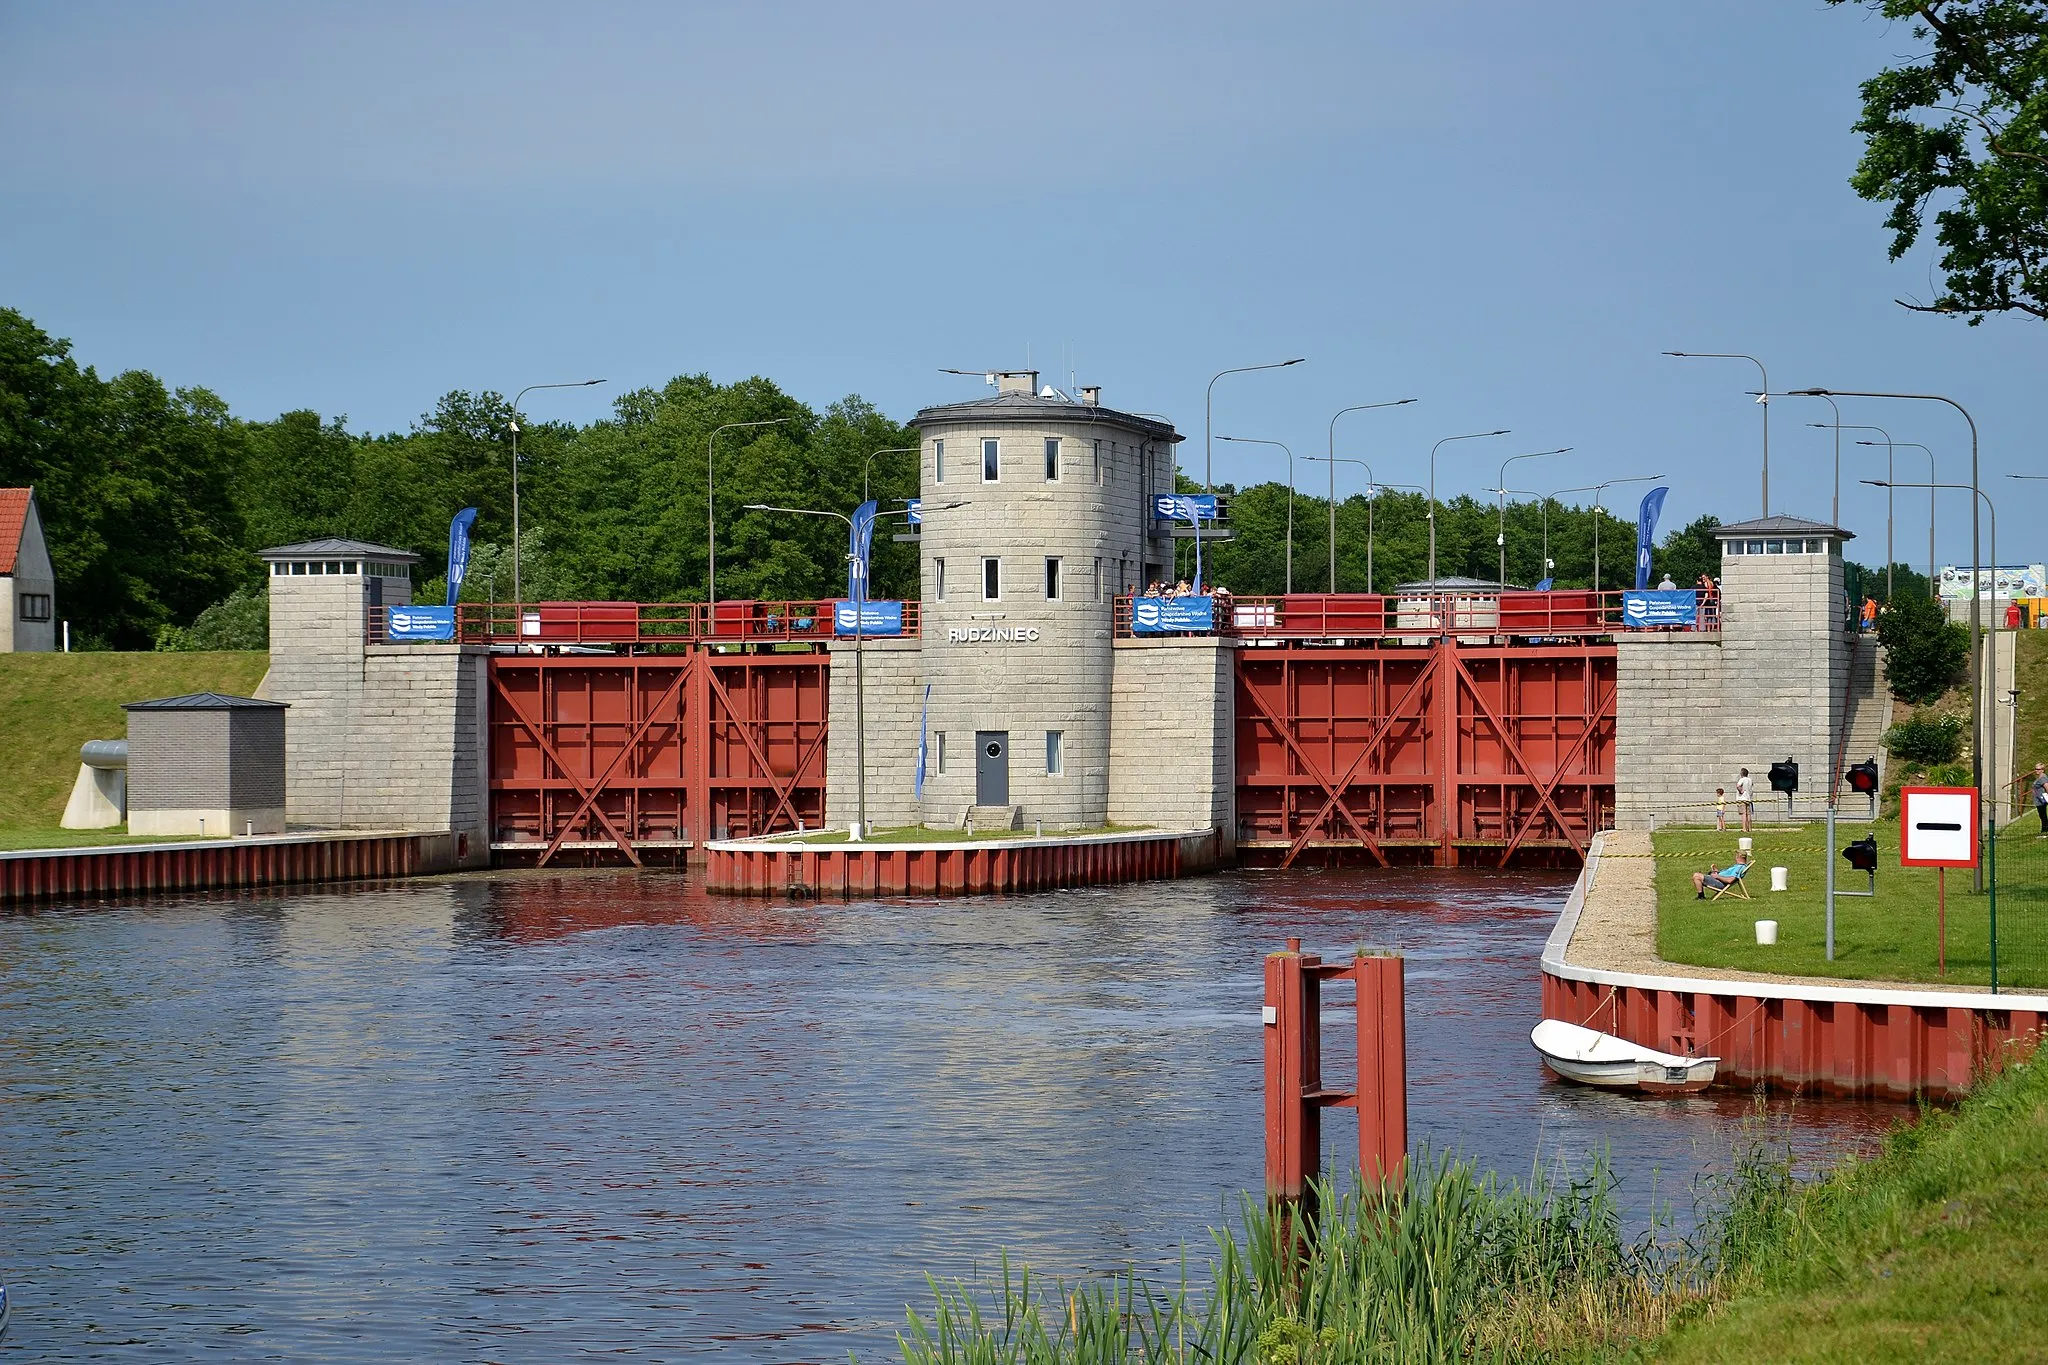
(1690, 552)
(1924, 651)
(1960, 133)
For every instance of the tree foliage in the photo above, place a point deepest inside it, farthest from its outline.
(1924, 651)
(1960, 132)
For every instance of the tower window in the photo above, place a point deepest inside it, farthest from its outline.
(1052, 459)
(1055, 753)
(991, 580)
(938, 461)
(991, 461)
(1052, 579)
(939, 578)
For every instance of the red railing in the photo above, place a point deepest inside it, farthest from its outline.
(1561, 614)
(645, 623)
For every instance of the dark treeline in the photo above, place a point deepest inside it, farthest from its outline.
(157, 501)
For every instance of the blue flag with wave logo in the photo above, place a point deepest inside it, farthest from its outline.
(458, 552)
(1646, 533)
(860, 549)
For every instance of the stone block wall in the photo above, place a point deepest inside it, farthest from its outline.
(895, 688)
(415, 758)
(316, 666)
(1173, 736)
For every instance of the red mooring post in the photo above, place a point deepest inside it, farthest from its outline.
(1295, 1096)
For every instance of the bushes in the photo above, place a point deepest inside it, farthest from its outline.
(241, 620)
(1924, 652)
(1926, 738)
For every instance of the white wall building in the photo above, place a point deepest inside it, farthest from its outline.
(28, 583)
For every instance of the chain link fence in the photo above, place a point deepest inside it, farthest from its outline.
(2020, 877)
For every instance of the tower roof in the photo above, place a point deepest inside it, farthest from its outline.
(331, 548)
(1031, 407)
(205, 701)
(1778, 524)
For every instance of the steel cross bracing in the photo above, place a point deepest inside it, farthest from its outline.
(1458, 751)
(657, 750)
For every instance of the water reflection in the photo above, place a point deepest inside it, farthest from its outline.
(515, 1118)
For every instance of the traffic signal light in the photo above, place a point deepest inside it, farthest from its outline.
(1863, 776)
(1785, 777)
(1862, 854)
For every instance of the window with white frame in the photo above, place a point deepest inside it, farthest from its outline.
(938, 461)
(1098, 578)
(941, 737)
(939, 578)
(1055, 753)
(991, 579)
(991, 460)
(1098, 461)
(1052, 459)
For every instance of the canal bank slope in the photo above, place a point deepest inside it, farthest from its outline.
(1601, 968)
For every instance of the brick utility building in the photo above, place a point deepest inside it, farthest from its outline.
(28, 583)
(206, 764)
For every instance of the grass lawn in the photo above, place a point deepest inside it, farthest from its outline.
(1889, 938)
(916, 834)
(17, 837)
(52, 703)
(1929, 1251)
(2030, 723)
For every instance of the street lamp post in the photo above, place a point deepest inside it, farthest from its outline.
(1933, 584)
(1333, 461)
(860, 635)
(1976, 557)
(1598, 490)
(1256, 441)
(1992, 797)
(1332, 457)
(1835, 512)
(1890, 498)
(1372, 491)
(711, 511)
(572, 384)
(1208, 406)
(1763, 398)
(1500, 537)
(868, 468)
(1470, 436)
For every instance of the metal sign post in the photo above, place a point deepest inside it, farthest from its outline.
(1938, 829)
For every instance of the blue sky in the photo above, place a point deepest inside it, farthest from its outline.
(1504, 210)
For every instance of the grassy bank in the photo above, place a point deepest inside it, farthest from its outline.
(1929, 1251)
(52, 703)
(2030, 717)
(1926, 1250)
(1889, 938)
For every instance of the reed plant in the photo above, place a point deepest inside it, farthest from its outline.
(1442, 1264)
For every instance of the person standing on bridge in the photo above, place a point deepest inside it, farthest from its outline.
(1869, 614)
(1745, 797)
(2038, 789)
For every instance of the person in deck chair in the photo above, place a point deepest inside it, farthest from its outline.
(1710, 880)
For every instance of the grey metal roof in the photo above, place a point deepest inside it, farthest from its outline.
(205, 701)
(332, 548)
(1778, 524)
(1029, 407)
(1449, 584)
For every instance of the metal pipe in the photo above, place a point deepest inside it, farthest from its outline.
(514, 424)
(1763, 398)
(1208, 407)
(711, 512)
(1501, 534)
(1258, 441)
(1359, 407)
(1470, 436)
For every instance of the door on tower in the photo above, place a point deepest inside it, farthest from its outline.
(991, 767)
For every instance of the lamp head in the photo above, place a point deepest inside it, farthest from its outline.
(1809, 393)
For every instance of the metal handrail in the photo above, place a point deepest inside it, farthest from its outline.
(1557, 613)
(741, 622)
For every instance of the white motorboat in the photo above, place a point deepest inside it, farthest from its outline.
(1591, 1057)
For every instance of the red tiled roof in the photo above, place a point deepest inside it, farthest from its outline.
(13, 516)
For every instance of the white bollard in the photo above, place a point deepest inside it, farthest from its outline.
(853, 832)
(1766, 932)
(1780, 878)
(1746, 844)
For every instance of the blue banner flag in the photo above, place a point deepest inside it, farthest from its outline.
(1649, 610)
(420, 623)
(923, 727)
(860, 548)
(458, 552)
(1165, 615)
(1546, 585)
(867, 618)
(1184, 506)
(1646, 533)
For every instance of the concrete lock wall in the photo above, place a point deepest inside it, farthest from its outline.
(208, 773)
(1173, 758)
(895, 687)
(1023, 661)
(379, 736)
(1693, 709)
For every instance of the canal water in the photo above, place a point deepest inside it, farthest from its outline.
(527, 1117)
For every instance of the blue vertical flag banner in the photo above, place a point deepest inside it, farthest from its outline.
(923, 722)
(860, 548)
(1191, 509)
(458, 552)
(1646, 533)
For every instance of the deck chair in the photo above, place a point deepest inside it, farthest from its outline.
(1734, 886)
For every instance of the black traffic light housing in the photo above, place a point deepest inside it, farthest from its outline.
(1862, 854)
(1785, 777)
(1863, 778)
